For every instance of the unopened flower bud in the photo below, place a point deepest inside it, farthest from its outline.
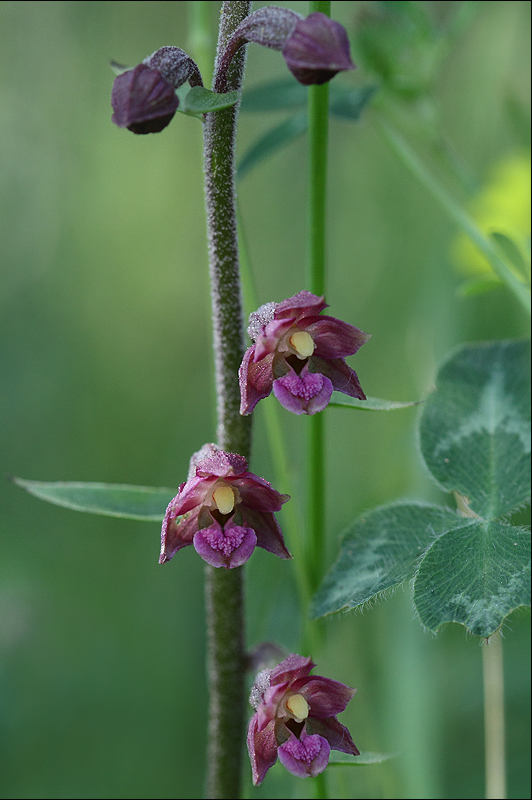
(143, 101)
(317, 49)
(175, 66)
(144, 98)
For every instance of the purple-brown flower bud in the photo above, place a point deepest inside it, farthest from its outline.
(317, 49)
(144, 98)
(175, 66)
(143, 101)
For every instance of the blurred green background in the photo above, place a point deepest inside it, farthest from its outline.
(105, 360)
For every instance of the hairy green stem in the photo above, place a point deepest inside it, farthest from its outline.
(318, 117)
(224, 588)
(492, 664)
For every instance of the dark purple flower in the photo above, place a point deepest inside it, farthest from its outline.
(143, 101)
(224, 511)
(295, 719)
(144, 98)
(317, 49)
(300, 355)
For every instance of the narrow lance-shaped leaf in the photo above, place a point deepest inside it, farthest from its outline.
(337, 759)
(110, 499)
(273, 140)
(370, 403)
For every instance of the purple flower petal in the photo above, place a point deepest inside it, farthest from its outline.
(177, 533)
(257, 494)
(256, 380)
(325, 697)
(222, 464)
(333, 338)
(343, 378)
(228, 547)
(306, 756)
(336, 734)
(262, 748)
(191, 494)
(302, 304)
(291, 668)
(306, 393)
(269, 535)
(268, 341)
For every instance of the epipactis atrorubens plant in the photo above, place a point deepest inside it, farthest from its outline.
(224, 510)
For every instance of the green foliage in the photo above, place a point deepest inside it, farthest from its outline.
(475, 429)
(110, 499)
(365, 757)
(344, 103)
(198, 100)
(467, 566)
(370, 403)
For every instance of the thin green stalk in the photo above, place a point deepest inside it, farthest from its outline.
(283, 479)
(318, 119)
(224, 588)
(492, 664)
(200, 42)
(455, 211)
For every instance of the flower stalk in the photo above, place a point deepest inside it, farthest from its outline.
(318, 117)
(224, 588)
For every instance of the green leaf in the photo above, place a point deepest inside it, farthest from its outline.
(337, 759)
(110, 499)
(513, 254)
(380, 551)
(118, 69)
(370, 403)
(275, 96)
(475, 576)
(475, 428)
(478, 285)
(273, 140)
(202, 101)
(467, 566)
(349, 103)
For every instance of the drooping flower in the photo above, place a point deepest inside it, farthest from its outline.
(300, 355)
(295, 719)
(144, 98)
(224, 511)
(315, 48)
